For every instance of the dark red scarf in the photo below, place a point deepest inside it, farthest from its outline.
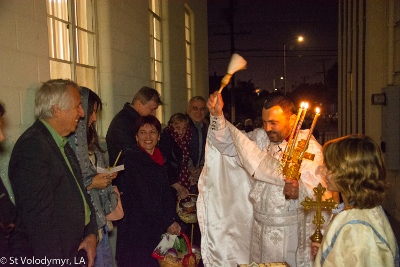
(156, 157)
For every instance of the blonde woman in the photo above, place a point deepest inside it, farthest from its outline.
(360, 234)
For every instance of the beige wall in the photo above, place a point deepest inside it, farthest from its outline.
(378, 74)
(24, 63)
(123, 58)
(368, 61)
(124, 53)
(175, 99)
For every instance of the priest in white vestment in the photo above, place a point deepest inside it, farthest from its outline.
(246, 209)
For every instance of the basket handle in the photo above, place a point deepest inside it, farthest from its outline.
(189, 246)
(179, 201)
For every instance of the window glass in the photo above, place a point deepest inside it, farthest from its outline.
(72, 40)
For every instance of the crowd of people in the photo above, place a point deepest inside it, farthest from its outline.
(247, 210)
(63, 201)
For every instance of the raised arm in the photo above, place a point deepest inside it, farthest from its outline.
(218, 132)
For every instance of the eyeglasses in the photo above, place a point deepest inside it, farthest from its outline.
(197, 109)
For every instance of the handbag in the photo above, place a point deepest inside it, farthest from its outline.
(118, 212)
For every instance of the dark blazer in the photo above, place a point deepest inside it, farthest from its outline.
(50, 211)
(120, 136)
(194, 145)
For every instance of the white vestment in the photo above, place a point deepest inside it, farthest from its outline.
(244, 219)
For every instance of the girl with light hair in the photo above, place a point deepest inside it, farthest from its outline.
(360, 233)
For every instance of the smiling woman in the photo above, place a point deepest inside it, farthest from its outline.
(85, 143)
(147, 137)
(148, 203)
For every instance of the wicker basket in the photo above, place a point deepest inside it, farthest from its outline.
(188, 260)
(187, 214)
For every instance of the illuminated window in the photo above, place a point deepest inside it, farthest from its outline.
(156, 50)
(188, 34)
(72, 41)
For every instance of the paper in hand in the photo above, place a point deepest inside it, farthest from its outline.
(110, 170)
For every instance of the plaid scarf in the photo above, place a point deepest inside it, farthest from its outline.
(183, 144)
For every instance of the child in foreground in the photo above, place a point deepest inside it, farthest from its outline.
(360, 234)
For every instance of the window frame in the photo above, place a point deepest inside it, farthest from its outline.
(86, 73)
(156, 53)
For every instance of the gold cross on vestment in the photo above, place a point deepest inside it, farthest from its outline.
(319, 205)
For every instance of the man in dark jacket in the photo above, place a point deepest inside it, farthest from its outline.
(120, 134)
(197, 112)
(55, 217)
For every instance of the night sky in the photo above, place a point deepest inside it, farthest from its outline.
(264, 27)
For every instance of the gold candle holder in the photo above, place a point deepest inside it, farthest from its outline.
(290, 140)
(297, 130)
(290, 162)
(294, 126)
(314, 122)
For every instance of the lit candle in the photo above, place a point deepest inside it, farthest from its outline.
(290, 140)
(301, 120)
(297, 120)
(310, 132)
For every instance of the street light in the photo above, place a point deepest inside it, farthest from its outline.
(274, 83)
(299, 39)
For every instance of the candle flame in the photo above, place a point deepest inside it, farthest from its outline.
(314, 122)
(306, 105)
(302, 105)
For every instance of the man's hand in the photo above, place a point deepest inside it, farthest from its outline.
(89, 245)
(291, 189)
(215, 104)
